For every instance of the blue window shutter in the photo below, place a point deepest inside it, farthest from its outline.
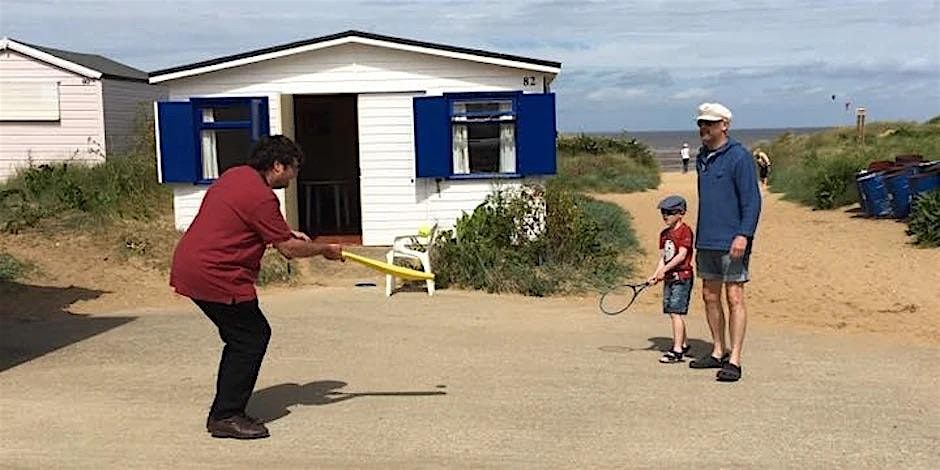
(432, 137)
(535, 134)
(176, 140)
(260, 123)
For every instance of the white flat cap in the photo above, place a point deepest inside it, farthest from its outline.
(713, 112)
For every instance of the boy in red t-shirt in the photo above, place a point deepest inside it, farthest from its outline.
(675, 270)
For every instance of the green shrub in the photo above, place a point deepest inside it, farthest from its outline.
(122, 187)
(605, 174)
(924, 220)
(819, 169)
(834, 184)
(536, 241)
(605, 164)
(275, 269)
(11, 268)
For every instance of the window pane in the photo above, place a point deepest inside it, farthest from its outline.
(491, 108)
(223, 149)
(239, 112)
(483, 143)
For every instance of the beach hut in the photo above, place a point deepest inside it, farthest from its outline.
(397, 132)
(58, 105)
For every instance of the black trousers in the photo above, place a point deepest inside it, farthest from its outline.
(245, 332)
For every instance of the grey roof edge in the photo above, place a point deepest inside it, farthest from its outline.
(109, 69)
(354, 33)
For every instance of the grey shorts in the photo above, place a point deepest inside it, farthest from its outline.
(717, 265)
(676, 296)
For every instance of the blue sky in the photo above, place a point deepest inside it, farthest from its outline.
(637, 65)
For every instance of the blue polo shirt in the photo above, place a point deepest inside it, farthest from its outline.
(728, 196)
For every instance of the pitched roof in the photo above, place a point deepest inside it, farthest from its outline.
(91, 65)
(353, 37)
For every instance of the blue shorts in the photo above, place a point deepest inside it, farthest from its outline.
(676, 296)
(717, 265)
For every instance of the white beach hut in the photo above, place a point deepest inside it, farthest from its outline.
(397, 132)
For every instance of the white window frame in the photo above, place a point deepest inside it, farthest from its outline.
(460, 146)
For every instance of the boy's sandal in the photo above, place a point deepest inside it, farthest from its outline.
(708, 362)
(685, 350)
(671, 357)
(729, 373)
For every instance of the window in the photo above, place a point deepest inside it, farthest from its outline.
(29, 101)
(484, 135)
(483, 139)
(198, 140)
(227, 132)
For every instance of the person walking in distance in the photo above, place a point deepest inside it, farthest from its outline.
(729, 208)
(685, 153)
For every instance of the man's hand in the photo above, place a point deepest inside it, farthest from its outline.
(738, 245)
(300, 235)
(333, 251)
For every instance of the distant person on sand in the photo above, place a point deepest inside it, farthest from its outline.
(763, 164)
(686, 156)
(729, 207)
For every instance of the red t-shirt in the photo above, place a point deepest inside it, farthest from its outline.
(219, 256)
(670, 240)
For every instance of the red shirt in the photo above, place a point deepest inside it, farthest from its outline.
(219, 256)
(670, 240)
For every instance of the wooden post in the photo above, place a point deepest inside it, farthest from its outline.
(860, 124)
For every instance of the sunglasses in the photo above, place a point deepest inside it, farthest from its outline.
(670, 211)
(704, 123)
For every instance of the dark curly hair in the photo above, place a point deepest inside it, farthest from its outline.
(275, 148)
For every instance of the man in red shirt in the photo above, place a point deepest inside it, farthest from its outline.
(216, 264)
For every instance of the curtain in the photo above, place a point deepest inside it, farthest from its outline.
(507, 142)
(460, 150)
(210, 160)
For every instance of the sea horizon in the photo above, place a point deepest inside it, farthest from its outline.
(667, 141)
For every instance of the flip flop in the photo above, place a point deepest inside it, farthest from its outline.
(729, 373)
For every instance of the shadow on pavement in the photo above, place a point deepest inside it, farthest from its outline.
(697, 347)
(272, 403)
(34, 320)
(661, 344)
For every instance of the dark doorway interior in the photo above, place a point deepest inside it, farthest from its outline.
(326, 128)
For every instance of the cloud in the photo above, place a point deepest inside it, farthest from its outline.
(629, 57)
(616, 94)
(693, 93)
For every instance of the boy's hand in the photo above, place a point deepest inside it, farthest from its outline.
(656, 277)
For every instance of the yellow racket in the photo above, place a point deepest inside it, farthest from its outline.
(397, 271)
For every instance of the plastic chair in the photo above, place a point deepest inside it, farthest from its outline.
(418, 247)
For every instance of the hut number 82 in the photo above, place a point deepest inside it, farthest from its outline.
(528, 81)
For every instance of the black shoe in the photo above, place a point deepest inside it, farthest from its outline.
(709, 362)
(729, 373)
(250, 418)
(237, 427)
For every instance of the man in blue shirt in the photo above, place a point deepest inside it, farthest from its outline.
(729, 207)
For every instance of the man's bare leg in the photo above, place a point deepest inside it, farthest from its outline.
(711, 294)
(737, 319)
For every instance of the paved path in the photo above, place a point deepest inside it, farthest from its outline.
(465, 380)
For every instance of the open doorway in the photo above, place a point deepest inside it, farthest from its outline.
(326, 129)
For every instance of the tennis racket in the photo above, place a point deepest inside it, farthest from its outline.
(620, 298)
